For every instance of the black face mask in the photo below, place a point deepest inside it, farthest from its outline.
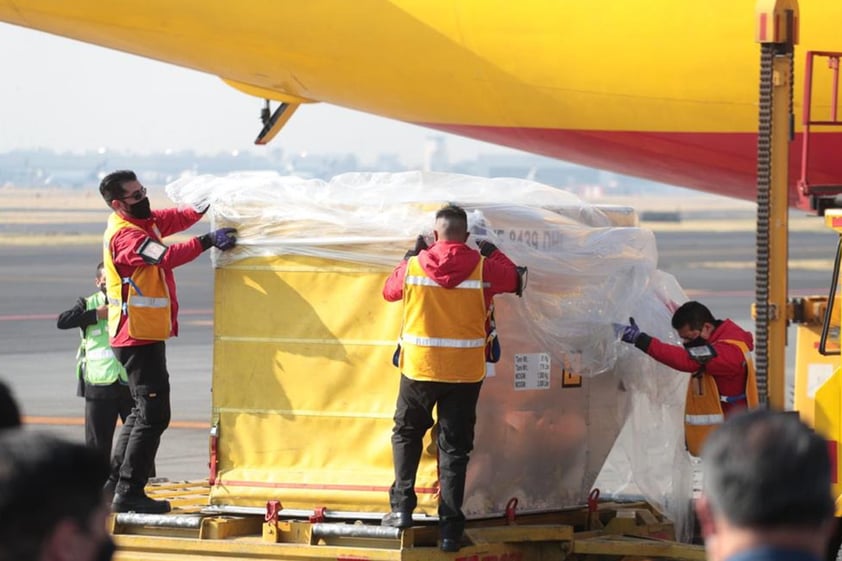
(141, 209)
(697, 342)
(103, 288)
(106, 550)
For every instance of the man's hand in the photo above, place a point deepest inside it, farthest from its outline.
(486, 248)
(631, 332)
(224, 239)
(102, 312)
(420, 245)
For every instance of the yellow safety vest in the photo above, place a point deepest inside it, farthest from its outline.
(443, 337)
(703, 408)
(147, 307)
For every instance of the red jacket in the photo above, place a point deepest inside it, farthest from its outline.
(124, 247)
(728, 367)
(449, 263)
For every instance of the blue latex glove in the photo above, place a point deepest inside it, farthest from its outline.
(631, 332)
(224, 238)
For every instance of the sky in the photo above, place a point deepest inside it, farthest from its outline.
(66, 95)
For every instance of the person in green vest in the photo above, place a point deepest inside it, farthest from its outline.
(101, 378)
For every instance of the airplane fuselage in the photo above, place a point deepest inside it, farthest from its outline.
(660, 89)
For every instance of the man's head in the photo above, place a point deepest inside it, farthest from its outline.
(9, 411)
(451, 224)
(51, 499)
(125, 195)
(693, 320)
(99, 279)
(766, 480)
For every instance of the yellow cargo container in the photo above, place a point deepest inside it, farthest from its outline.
(303, 384)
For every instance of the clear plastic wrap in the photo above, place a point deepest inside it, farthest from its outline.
(589, 268)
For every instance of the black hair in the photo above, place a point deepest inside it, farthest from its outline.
(100, 267)
(766, 470)
(9, 410)
(692, 314)
(111, 186)
(455, 220)
(40, 474)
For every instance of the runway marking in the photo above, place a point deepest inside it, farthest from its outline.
(80, 421)
(802, 292)
(37, 317)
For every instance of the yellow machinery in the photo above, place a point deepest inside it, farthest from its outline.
(818, 375)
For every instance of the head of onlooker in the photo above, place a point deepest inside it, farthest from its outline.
(52, 506)
(9, 411)
(766, 484)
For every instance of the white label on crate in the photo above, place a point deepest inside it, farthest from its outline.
(532, 371)
(817, 374)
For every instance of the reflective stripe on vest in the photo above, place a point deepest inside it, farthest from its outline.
(441, 342)
(147, 308)
(146, 302)
(99, 353)
(704, 419)
(426, 281)
(443, 336)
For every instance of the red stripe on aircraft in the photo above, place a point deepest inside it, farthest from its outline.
(34, 317)
(722, 163)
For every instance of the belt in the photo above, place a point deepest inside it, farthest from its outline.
(732, 398)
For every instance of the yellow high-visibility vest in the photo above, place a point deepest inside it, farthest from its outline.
(443, 337)
(147, 307)
(703, 408)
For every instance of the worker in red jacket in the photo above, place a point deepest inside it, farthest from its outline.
(447, 291)
(718, 355)
(142, 315)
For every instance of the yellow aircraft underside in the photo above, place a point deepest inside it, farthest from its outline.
(659, 65)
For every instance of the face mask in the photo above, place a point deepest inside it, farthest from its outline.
(697, 342)
(141, 209)
(106, 551)
(103, 288)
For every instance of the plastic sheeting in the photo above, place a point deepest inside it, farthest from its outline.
(567, 408)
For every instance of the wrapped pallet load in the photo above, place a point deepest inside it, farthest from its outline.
(303, 383)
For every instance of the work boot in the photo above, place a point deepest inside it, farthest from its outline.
(397, 519)
(450, 545)
(139, 503)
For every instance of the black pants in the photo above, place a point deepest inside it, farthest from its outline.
(456, 406)
(101, 415)
(149, 382)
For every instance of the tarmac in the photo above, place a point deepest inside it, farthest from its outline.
(46, 267)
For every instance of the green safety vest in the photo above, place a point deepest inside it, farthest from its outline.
(95, 361)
